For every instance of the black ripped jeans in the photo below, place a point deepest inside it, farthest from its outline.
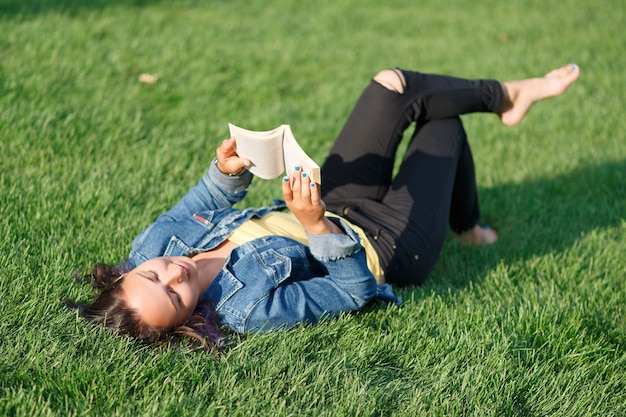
(406, 217)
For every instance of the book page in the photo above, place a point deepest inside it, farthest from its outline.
(295, 155)
(263, 149)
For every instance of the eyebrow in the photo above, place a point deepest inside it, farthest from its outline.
(169, 296)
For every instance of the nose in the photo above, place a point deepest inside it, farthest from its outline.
(175, 274)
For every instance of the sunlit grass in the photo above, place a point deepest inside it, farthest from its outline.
(89, 156)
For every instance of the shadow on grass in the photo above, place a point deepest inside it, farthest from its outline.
(9, 8)
(535, 218)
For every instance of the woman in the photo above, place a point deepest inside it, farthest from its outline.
(204, 264)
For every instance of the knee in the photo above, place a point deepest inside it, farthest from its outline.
(391, 79)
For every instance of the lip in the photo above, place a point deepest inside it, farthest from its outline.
(185, 268)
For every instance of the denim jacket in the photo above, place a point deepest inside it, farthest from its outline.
(270, 282)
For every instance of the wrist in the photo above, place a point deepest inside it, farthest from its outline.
(229, 174)
(323, 226)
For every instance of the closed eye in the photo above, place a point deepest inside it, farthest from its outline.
(172, 295)
(176, 297)
(152, 276)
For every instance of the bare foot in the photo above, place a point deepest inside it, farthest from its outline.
(522, 94)
(478, 236)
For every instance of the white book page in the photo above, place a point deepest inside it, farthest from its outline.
(295, 155)
(263, 149)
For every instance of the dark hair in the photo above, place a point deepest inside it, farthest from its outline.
(202, 329)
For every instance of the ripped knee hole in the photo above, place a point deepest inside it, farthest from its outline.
(391, 79)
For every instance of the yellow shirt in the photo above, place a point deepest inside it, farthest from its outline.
(284, 223)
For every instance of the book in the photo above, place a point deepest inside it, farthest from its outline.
(273, 152)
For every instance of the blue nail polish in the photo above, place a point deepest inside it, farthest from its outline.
(312, 184)
(297, 168)
(285, 179)
(573, 67)
(303, 174)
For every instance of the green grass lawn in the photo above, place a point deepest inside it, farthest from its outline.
(533, 326)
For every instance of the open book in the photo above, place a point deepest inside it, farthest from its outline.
(273, 152)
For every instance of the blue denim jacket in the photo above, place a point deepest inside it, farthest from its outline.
(270, 282)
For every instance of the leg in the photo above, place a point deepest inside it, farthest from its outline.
(464, 208)
(361, 161)
(407, 220)
(409, 225)
(418, 203)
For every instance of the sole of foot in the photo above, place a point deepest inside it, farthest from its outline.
(478, 235)
(523, 94)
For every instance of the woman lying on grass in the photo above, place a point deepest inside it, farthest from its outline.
(204, 264)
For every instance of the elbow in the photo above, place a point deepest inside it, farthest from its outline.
(363, 292)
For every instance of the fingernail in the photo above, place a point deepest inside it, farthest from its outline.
(573, 67)
(285, 179)
(312, 184)
(297, 168)
(303, 174)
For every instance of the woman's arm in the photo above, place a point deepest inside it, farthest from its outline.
(276, 283)
(348, 284)
(282, 285)
(348, 287)
(225, 183)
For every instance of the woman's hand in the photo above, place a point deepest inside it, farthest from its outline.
(303, 199)
(228, 162)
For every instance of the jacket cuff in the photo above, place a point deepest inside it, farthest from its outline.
(335, 246)
(230, 184)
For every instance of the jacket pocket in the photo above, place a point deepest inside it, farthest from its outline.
(277, 265)
(176, 247)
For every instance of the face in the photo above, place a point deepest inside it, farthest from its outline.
(163, 291)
